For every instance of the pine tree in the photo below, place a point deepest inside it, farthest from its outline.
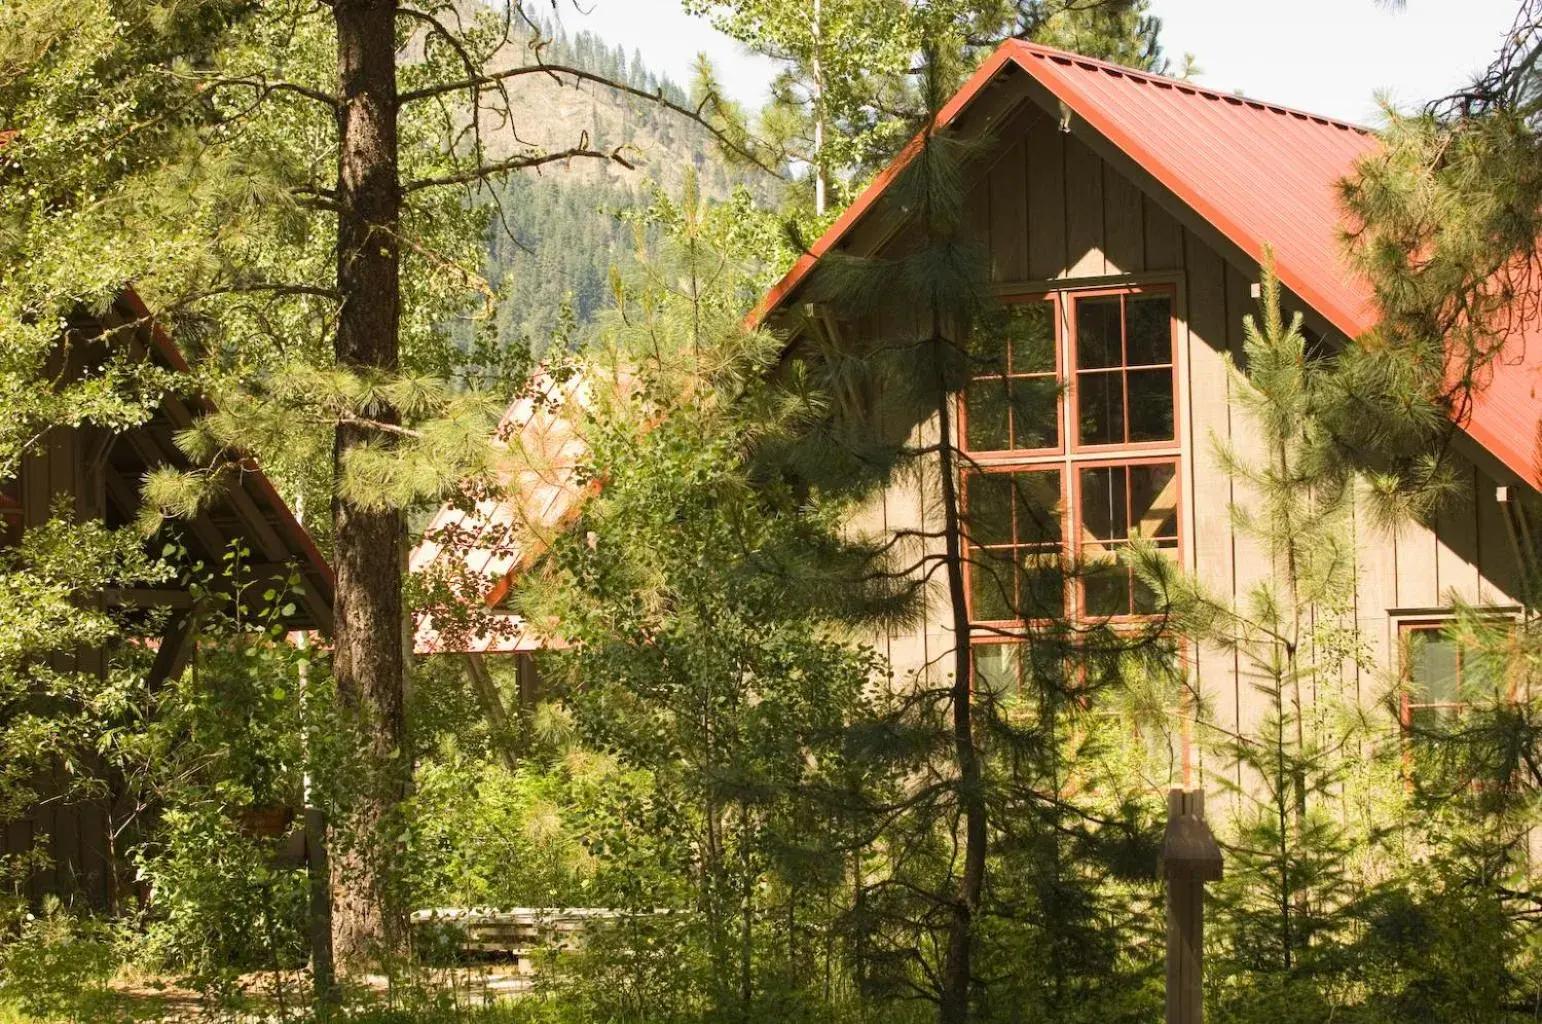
(843, 100)
(1287, 891)
(705, 624)
(1444, 223)
(290, 168)
(1000, 838)
(1119, 31)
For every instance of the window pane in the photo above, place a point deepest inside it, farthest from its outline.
(1436, 720)
(1151, 405)
(1044, 665)
(1154, 499)
(1043, 587)
(988, 497)
(1144, 600)
(1038, 507)
(1033, 337)
(1035, 412)
(1106, 585)
(1104, 509)
(985, 413)
(1097, 333)
(990, 585)
(1483, 671)
(1100, 398)
(996, 668)
(1433, 669)
(1149, 322)
(989, 343)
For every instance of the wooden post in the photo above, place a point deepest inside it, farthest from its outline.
(318, 870)
(1190, 858)
(492, 706)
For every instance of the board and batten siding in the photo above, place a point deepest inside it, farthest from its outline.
(1054, 214)
(58, 468)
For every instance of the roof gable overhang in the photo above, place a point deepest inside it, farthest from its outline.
(253, 507)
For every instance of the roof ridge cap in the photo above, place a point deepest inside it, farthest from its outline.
(1183, 85)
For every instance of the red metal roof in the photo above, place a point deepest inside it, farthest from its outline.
(474, 553)
(1258, 172)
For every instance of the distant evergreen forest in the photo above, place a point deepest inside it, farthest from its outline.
(588, 51)
(554, 237)
(551, 247)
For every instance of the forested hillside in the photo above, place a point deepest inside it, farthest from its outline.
(555, 236)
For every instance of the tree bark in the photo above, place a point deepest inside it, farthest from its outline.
(953, 1003)
(367, 657)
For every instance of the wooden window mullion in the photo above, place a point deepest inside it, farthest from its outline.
(1124, 366)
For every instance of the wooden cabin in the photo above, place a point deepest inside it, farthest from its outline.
(98, 474)
(1125, 215)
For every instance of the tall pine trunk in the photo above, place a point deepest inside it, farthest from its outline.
(367, 659)
(957, 971)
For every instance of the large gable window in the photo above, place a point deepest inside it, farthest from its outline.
(1070, 429)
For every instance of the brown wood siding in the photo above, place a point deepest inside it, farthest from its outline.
(1499, 575)
(1084, 212)
(1208, 424)
(1124, 226)
(1007, 191)
(1162, 236)
(74, 833)
(1375, 593)
(1046, 201)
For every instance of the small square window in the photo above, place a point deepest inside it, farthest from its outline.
(1434, 694)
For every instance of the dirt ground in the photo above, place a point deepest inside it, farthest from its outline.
(267, 995)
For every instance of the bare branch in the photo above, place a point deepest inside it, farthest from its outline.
(518, 163)
(262, 85)
(476, 83)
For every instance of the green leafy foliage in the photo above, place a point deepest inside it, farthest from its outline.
(56, 967)
(707, 660)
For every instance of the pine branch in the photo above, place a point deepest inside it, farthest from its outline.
(128, 327)
(262, 85)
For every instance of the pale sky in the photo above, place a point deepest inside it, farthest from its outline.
(1325, 56)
